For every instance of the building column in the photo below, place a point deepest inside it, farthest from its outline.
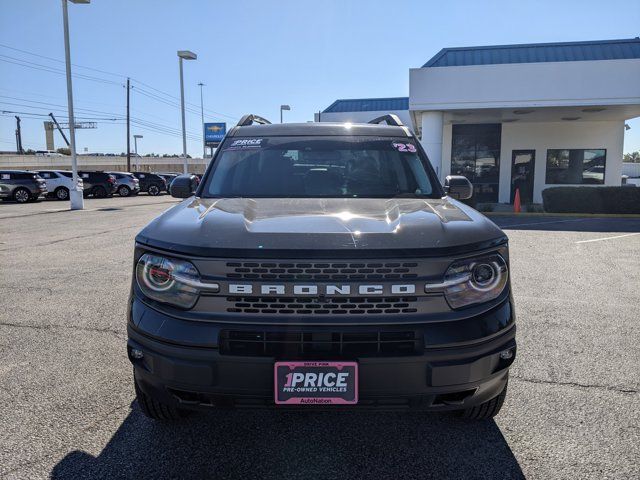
(432, 125)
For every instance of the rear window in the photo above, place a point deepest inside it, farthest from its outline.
(331, 167)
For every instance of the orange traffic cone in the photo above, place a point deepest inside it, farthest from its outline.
(516, 202)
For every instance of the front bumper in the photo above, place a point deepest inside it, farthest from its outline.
(186, 366)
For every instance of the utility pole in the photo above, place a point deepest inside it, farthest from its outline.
(18, 136)
(128, 128)
(204, 145)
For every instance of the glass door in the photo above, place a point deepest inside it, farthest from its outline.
(522, 168)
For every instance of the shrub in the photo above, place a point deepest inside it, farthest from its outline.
(591, 199)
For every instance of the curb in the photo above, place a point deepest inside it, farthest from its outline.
(545, 214)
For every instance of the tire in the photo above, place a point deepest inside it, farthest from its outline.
(99, 192)
(486, 410)
(124, 191)
(21, 195)
(62, 193)
(153, 190)
(156, 410)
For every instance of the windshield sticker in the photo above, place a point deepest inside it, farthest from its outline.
(404, 147)
(246, 143)
(5, 176)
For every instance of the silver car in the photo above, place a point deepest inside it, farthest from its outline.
(126, 184)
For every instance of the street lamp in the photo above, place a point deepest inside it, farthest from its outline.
(135, 149)
(184, 55)
(283, 107)
(75, 195)
(204, 144)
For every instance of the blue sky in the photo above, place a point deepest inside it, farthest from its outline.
(253, 56)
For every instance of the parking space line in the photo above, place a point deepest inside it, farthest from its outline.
(608, 238)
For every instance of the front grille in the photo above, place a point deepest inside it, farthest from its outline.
(320, 345)
(322, 270)
(323, 305)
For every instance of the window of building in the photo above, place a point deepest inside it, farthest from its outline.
(576, 166)
(475, 153)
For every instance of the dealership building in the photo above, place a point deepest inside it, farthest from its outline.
(518, 116)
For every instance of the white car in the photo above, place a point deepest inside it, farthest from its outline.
(59, 182)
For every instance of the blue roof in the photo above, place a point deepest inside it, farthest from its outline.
(369, 105)
(537, 52)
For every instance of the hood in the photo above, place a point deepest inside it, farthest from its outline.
(315, 228)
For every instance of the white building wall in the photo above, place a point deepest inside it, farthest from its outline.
(601, 82)
(557, 135)
(364, 117)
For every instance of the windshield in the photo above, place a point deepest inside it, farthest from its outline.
(331, 167)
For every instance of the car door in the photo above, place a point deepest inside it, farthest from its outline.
(53, 180)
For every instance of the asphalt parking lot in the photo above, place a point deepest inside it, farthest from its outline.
(67, 402)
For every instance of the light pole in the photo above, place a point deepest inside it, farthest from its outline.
(135, 149)
(75, 195)
(204, 144)
(282, 108)
(184, 55)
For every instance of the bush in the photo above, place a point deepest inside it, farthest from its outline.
(591, 199)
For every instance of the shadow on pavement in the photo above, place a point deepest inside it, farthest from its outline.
(568, 224)
(268, 444)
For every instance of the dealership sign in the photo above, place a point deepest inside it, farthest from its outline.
(214, 133)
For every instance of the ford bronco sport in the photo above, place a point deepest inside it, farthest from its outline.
(321, 265)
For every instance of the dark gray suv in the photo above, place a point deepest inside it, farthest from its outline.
(21, 186)
(321, 265)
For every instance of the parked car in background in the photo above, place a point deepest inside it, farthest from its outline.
(21, 186)
(151, 183)
(59, 183)
(168, 177)
(98, 184)
(126, 183)
(48, 153)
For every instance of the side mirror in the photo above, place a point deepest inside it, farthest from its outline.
(458, 187)
(183, 186)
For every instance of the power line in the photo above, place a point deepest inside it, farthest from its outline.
(103, 80)
(187, 103)
(49, 69)
(85, 110)
(62, 61)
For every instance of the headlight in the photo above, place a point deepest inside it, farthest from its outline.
(473, 280)
(169, 280)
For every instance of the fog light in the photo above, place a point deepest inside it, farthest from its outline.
(506, 354)
(137, 354)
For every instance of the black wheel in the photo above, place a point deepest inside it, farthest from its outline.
(486, 410)
(21, 195)
(99, 192)
(153, 190)
(124, 191)
(62, 193)
(157, 410)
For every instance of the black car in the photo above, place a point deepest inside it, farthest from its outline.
(321, 264)
(98, 184)
(21, 186)
(151, 183)
(168, 177)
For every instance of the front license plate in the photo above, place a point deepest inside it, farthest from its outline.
(316, 383)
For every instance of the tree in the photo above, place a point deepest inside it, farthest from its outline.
(633, 157)
(64, 151)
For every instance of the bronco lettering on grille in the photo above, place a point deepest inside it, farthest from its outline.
(314, 290)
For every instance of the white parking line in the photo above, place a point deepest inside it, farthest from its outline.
(608, 238)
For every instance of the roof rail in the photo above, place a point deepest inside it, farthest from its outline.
(391, 119)
(250, 119)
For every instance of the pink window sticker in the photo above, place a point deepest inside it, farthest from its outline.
(404, 147)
